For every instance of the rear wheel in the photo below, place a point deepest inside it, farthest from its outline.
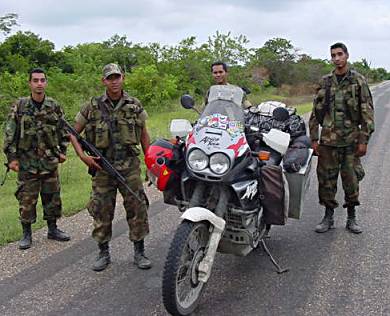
(181, 288)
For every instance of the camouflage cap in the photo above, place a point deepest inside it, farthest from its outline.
(111, 69)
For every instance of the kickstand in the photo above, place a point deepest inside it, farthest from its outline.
(279, 269)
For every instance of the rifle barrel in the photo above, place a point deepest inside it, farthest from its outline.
(103, 161)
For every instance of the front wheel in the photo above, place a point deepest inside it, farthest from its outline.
(181, 288)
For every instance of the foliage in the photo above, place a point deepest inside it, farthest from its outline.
(25, 50)
(154, 89)
(229, 49)
(12, 87)
(156, 74)
(188, 64)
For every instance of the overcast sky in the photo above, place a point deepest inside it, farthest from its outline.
(311, 26)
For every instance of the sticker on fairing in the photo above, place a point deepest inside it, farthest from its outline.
(251, 191)
(210, 141)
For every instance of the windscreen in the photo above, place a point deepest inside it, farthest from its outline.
(224, 115)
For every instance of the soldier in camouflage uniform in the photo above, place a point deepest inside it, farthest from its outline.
(115, 124)
(34, 144)
(343, 107)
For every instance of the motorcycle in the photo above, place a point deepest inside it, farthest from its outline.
(213, 176)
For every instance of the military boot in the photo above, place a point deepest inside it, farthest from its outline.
(26, 240)
(352, 226)
(327, 222)
(140, 260)
(103, 259)
(55, 233)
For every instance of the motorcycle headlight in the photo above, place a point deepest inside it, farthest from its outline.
(219, 163)
(197, 160)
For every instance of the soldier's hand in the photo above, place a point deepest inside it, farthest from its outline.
(361, 150)
(61, 158)
(314, 146)
(14, 165)
(91, 162)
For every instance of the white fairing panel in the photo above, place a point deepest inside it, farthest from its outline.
(277, 140)
(180, 127)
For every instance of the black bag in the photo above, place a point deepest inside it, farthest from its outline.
(297, 154)
(274, 195)
(293, 124)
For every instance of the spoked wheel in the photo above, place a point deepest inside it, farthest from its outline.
(181, 288)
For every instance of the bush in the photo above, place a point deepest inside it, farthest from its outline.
(12, 87)
(152, 88)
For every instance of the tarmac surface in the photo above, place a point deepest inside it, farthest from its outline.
(336, 273)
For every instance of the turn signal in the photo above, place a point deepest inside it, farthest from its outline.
(264, 155)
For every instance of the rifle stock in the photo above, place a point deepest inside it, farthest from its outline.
(104, 163)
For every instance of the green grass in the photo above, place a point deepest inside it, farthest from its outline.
(304, 107)
(75, 188)
(75, 181)
(158, 122)
(267, 95)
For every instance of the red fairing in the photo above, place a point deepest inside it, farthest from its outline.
(191, 139)
(236, 147)
(156, 157)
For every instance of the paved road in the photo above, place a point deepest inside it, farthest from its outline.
(336, 273)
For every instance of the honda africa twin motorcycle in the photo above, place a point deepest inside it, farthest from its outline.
(212, 175)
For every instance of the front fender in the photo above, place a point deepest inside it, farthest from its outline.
(198, 214)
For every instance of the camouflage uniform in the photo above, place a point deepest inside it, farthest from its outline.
(35, 137)
(116, 131)
(348, 121)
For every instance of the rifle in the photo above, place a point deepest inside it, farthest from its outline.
(104, 163)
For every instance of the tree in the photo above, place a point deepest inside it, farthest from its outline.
(228, 49)
(7, 22)
(380, 74)
(277, 55)
(363, 67)
(282, 48)
(307, 69)
(153, 89)
(28, 48)
(121, 51)
(189, 63)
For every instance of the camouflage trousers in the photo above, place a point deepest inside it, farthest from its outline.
(30, 186)
(102, 205)
(331, 162)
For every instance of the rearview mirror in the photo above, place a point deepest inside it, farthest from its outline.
(187, 101)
